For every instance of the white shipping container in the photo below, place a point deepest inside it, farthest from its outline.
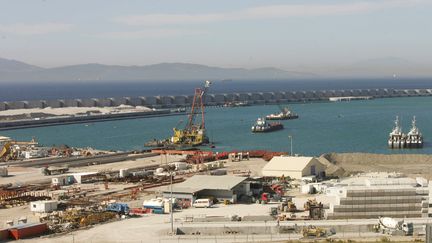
(306, 189)
(180, 165)
(123, 173)
(43, 206)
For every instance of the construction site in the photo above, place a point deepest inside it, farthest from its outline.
(179, 191)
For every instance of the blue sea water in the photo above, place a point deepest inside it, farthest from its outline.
(356, 126)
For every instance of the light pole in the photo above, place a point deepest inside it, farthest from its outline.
(291, 143)
(171, 203)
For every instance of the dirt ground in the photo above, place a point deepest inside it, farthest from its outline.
(412, 165)
(23, 175)
(66, 111)
(254, 165)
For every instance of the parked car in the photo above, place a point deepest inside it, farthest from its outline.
(203, 203)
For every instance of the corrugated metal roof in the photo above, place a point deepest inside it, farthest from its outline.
(202, 182)
(287, 163)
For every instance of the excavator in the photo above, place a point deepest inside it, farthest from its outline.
(8, 152)
(194, 133)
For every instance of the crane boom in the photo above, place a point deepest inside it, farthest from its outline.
(198, 106)
(193, 134)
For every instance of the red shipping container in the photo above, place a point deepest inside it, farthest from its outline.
(4, 234)
(27, 230)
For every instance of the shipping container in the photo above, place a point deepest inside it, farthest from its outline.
(27, 230)
(3, 171)
(43, 206)
(158, 210)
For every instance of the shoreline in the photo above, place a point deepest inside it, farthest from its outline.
(31, 123)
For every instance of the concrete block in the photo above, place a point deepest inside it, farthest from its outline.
(124, 101)
(290, 96)
(209, 99)
(137, 101)
(17, 105)
(299, 95)
(244, 97)
(189, 99)
(180, 100)
(89, 102)
(309, 95)
(166, 100)
(256, 96)
(72, 103)
(150, 100)
(338, 93)
(55, 103)
(268, 96)
(105, 102)
(36, 104)
(279, 96)
(347, 93)
(3, 106)
(231, 97)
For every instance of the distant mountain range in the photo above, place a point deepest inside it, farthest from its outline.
(11, 70)
(389, 67)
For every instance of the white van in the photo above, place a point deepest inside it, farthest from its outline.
(202, 203)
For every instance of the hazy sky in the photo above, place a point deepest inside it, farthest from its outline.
(249, 33)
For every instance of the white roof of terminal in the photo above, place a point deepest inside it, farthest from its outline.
(202, 182)
(287, 163)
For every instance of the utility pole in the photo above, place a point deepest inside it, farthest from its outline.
(291, 143)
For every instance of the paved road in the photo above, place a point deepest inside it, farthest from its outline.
(80, 161)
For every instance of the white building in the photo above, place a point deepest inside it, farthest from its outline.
(225, 187)
(294, 167)
(83, 177)
(43, 206)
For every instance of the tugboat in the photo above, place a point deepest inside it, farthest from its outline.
(262, 125)
(235, 104)
(396, 137)
(414, 137)
(285, 114)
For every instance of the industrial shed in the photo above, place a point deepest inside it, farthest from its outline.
(202, 186)
(294, 167)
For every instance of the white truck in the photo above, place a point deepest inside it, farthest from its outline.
(387, 225)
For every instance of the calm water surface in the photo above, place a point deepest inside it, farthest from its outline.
(357, 126)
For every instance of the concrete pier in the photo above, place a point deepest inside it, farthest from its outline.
(349, 98)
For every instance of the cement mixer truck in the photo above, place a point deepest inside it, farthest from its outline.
(387, 225)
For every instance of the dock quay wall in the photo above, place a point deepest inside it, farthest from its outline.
(251, 98)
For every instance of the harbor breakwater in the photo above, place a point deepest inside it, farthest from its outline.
(251, 98)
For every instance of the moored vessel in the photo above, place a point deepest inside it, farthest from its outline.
(414, 138)
(396, 137)
(285, 114)
(261, 125)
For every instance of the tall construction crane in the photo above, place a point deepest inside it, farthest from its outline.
(194, 133)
